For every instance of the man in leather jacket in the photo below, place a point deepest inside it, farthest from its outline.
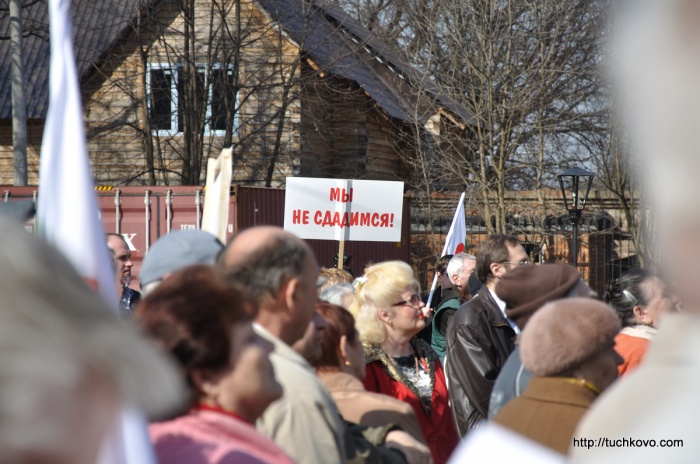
(480, 337)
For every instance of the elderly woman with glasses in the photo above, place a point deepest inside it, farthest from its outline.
(389, 313)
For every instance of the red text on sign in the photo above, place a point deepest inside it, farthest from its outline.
(341, 195)
(300, 216)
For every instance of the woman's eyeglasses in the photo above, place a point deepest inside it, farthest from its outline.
(413, 301)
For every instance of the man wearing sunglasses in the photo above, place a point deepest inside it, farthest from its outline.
(480, 336)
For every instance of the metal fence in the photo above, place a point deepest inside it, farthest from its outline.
(604, 249)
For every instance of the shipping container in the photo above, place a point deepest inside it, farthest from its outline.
(143, 214)
(265, 206)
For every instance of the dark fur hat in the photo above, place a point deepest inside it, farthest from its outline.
(526, 289)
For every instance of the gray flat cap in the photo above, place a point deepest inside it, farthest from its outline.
(177, 250)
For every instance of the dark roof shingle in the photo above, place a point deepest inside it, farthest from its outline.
(335, 41)
(342, 46)
(96, 25)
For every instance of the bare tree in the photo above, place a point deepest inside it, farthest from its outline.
(191, 78)
(19, 113)
(619, 174)
(527, 69)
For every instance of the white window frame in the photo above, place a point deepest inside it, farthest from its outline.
(174, 69)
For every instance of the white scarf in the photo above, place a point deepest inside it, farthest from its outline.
(640, 331)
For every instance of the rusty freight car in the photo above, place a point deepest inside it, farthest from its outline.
(143, 214)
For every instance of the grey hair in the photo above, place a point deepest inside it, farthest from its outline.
(264, 271)
(456, 264)
(55, 332)
(336, 294)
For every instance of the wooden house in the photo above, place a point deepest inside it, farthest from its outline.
(296, 88)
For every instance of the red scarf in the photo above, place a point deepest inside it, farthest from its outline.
(220, 410)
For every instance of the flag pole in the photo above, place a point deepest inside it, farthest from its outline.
(343, 232)
(341, 254)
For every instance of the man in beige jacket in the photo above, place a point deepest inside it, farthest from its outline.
(278, 271)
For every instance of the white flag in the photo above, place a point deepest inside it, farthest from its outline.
(458, 231)
(67, 214)
(454, 243)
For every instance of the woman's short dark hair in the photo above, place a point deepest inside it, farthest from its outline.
(190, 315)
(340, 322)
(626, 292)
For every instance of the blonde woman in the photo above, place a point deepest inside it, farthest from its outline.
(389, 313)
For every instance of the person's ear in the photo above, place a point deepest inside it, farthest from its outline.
(289, 293)
(641, 315)
(343, 347)
(496, 269)
(206, 382)
(384, 316)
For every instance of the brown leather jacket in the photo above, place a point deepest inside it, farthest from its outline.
(479, 341)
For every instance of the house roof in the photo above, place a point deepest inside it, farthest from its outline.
(342, 46)
(330, 37)
(96, 25)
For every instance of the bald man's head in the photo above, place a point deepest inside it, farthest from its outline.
(279, 272)
(263, 258)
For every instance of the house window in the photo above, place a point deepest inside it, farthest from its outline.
(166, 95)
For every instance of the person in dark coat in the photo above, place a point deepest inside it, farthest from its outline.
(449, 302)
(480, 337)
(121, 257)
(444, 285)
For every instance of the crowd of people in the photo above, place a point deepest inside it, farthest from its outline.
(246, 352)
(280, 361)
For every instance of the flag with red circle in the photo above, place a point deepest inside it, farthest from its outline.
(454, 243)
(458, 231)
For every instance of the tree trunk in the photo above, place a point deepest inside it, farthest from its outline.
(19, 105)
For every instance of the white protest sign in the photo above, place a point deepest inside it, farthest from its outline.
(341, 209)
(216, 201)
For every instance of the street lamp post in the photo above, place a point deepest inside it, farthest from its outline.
(574, 182)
